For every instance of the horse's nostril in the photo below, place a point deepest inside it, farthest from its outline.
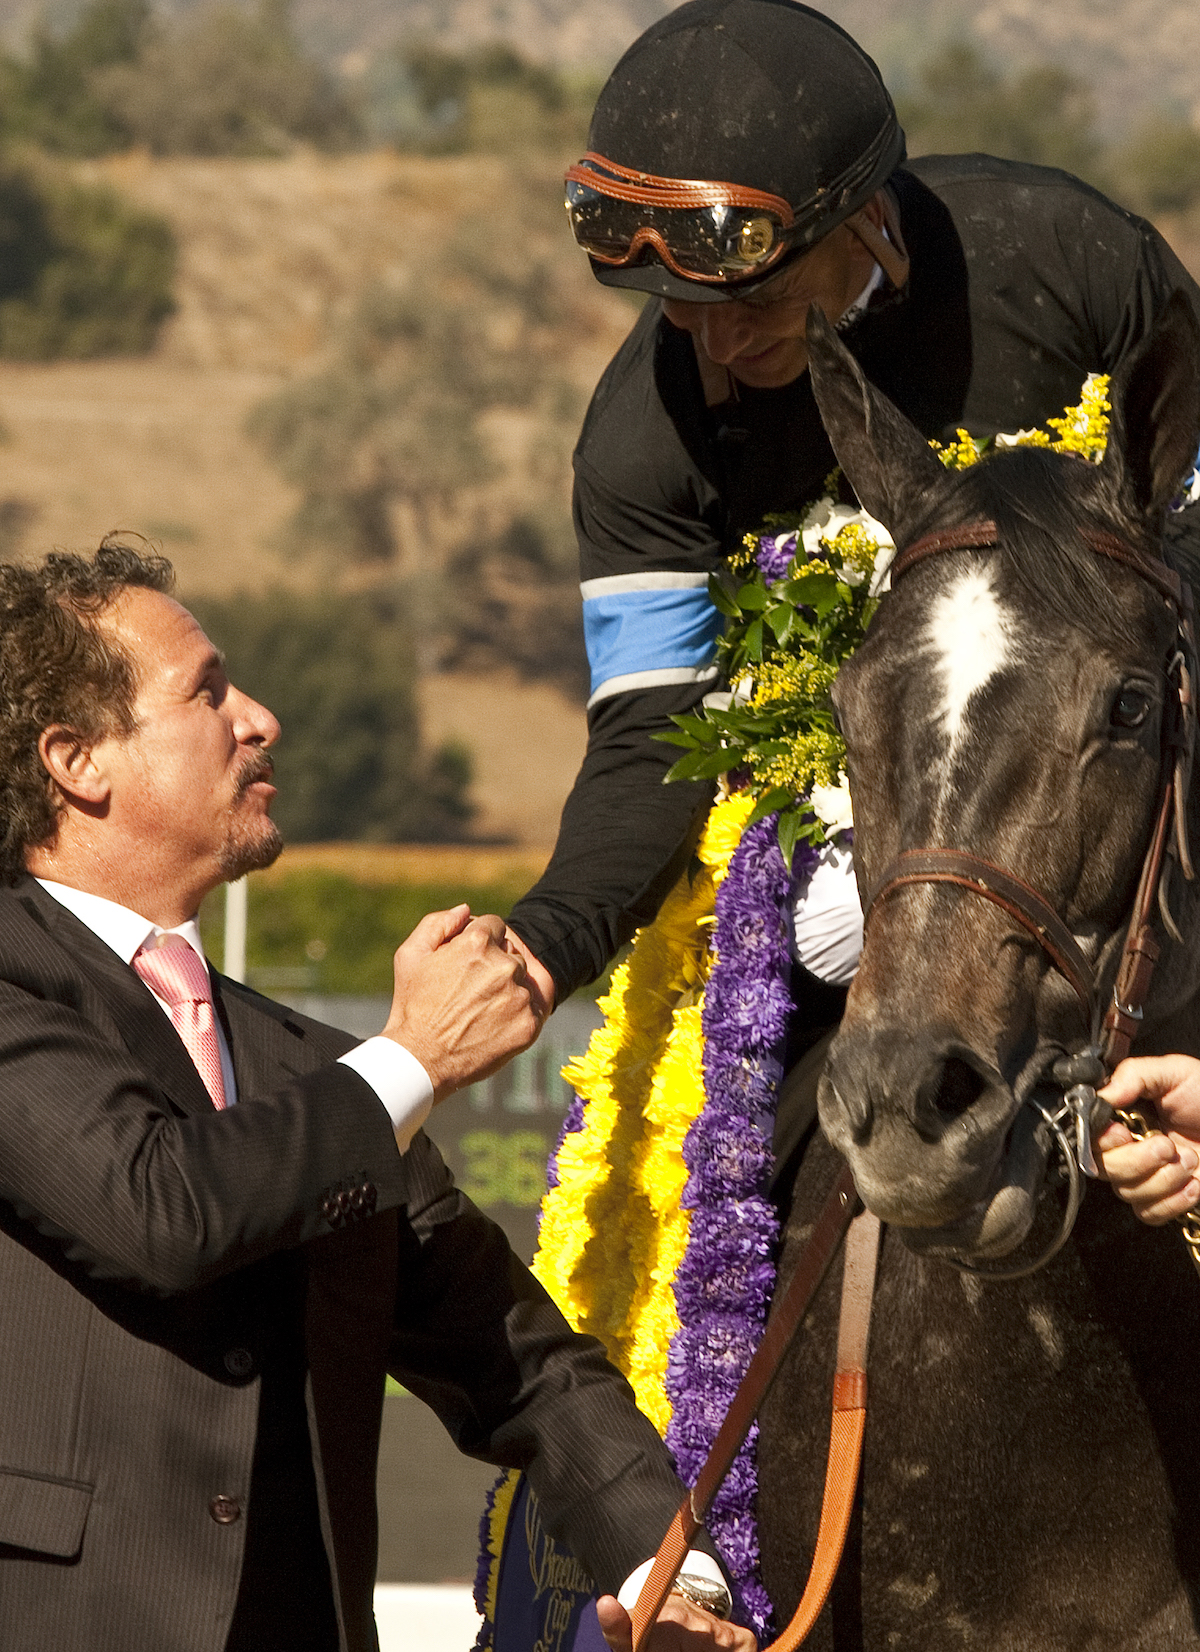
(857, 1108)
(960, 1087)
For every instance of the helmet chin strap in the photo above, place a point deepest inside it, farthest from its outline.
(885, 245)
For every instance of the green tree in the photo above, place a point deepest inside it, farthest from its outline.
(81, 273)
(1044, 114)
(50, 96)
(491, 100)
(1158, 170)
(393, 432)
(225, 81)
(337, 671)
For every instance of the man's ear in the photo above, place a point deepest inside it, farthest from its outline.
(70, 761)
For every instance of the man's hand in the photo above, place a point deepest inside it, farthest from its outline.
(681, 1627)
(462, 1002)
(1156, 1176)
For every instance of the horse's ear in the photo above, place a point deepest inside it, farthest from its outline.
(1155, 425)
(886, 460)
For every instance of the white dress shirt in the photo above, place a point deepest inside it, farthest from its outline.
(395, 1075)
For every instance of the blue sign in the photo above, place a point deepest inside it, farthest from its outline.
(545, 1600)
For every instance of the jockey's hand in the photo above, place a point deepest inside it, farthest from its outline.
(537, 977)
(681, 1627)
(1158, 1176)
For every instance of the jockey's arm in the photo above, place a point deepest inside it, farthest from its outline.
(1157, 1176)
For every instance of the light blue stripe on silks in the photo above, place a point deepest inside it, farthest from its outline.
(635, 628)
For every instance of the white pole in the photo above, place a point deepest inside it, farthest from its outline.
(236, 904)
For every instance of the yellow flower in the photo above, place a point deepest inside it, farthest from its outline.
(613, 1230)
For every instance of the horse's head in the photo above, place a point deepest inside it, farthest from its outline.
(1008, 703)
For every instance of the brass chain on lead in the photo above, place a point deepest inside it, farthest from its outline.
(1139, 1127)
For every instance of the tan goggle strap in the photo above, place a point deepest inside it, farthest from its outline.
(888, 251)
(622, 183)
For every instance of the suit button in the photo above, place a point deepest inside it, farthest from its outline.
(329, 1209)
(343, 1201)
(225, 1510)
(239, 1362)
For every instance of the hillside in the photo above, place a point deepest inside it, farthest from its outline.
(273, 256)
(1133, 52)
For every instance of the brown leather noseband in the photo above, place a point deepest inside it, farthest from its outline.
(1022, 902)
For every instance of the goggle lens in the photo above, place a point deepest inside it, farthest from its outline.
(709, 240)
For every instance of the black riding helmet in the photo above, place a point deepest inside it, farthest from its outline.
(731, 137)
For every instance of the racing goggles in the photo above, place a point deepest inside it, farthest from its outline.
(701, 231)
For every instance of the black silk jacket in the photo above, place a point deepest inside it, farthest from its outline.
(1023, 281)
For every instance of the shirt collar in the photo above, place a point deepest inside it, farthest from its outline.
(124, 931)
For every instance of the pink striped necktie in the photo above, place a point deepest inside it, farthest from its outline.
(179, 976)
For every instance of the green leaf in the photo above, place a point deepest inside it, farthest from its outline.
(752, 597)
(780, 619)
(676, 737)
(700, 765)
(754, 641)
(698, 725)
(777, 798)
(721, 598)
(791, 823)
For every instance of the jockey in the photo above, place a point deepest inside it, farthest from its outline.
(745, 161)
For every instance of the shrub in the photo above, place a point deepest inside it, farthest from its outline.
(490, 100)
(1042, 114)
(223, 81)
(337, 932)
(81, 273)
(50, 96)
(1159, 169)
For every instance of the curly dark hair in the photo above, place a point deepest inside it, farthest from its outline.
(56, 666)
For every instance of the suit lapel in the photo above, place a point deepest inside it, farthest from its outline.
(144, 1028)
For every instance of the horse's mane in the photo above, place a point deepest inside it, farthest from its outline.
(1040, 502)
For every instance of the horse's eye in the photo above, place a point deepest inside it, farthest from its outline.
(1131, 708)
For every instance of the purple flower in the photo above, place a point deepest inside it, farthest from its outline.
(724, 1284)
(775, 553)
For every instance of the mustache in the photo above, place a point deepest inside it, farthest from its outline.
(258, 766)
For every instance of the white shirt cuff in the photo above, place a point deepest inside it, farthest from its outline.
(398, 1079)
(697, 1562)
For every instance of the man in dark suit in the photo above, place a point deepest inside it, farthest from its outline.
(219, 1225)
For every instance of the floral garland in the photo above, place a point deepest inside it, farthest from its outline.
(656, 1233)
(725, 1282)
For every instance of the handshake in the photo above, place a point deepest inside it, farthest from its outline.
(468, 996)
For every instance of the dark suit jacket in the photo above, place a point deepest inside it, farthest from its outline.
(197, 1310)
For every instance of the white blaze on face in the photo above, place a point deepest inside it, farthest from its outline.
(970, 635)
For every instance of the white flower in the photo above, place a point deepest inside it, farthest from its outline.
(1016, 438)
(825, 521)
(881, 579)
(725, 699)
(831, 805)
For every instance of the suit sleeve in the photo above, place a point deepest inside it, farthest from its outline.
(480, 1341)
(101, 1172)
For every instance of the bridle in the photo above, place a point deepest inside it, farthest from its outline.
(1114, 1026)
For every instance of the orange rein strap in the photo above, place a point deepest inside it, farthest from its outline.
(846, 1433)
(849, 1410)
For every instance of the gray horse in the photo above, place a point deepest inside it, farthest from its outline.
(1031, 1477)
